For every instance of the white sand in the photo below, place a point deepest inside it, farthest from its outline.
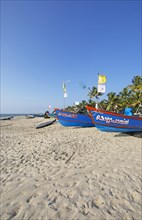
(68, 173)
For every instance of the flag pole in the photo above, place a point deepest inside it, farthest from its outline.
(101, 85)
(65, 91)
(63, 84)
(64, 102)
(97, 103)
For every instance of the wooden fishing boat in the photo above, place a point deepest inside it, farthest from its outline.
(44, 124)
(114, 122)
(66, 118)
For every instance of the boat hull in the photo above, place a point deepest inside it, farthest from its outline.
(113, 122)
(44, 124)
(73, 119)
(117, 129)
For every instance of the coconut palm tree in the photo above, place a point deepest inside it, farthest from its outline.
(137, 84)
(82, 104)
(93, 93)
(103, 104)
(112, 101)
(135, 100)
(123, 98)
(70, 108)
(81, 107)
(91, 102)
(125, 93)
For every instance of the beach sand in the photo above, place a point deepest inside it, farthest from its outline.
(68, 173)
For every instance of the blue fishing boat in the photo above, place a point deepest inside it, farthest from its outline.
(114, 122)
(66, 118)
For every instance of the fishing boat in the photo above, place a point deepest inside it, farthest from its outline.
(39, 115)
(114, 122)
(67, 118)
(44, 124)
(29, 116)
(6, 118)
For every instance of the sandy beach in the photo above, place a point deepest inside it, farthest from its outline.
(68, 173)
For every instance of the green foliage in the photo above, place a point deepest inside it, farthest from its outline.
(130, 96)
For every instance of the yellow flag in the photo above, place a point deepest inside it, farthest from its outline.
(102, 79)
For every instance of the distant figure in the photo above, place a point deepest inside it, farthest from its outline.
(46, 114)
(128, 111)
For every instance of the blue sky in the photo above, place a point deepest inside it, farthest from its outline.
(44, 43)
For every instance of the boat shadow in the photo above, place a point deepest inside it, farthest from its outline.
(137, 134)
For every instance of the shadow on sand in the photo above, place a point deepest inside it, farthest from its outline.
(137, 134)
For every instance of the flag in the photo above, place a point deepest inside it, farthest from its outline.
(64, 87)
(101, 83)
(65, 90)
(102, 79)
(101, 88)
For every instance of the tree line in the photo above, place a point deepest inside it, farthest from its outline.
(130, 96)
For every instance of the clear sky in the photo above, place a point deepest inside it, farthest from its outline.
(44, 43)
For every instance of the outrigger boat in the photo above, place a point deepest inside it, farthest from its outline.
(114, 122)
(66, 118)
